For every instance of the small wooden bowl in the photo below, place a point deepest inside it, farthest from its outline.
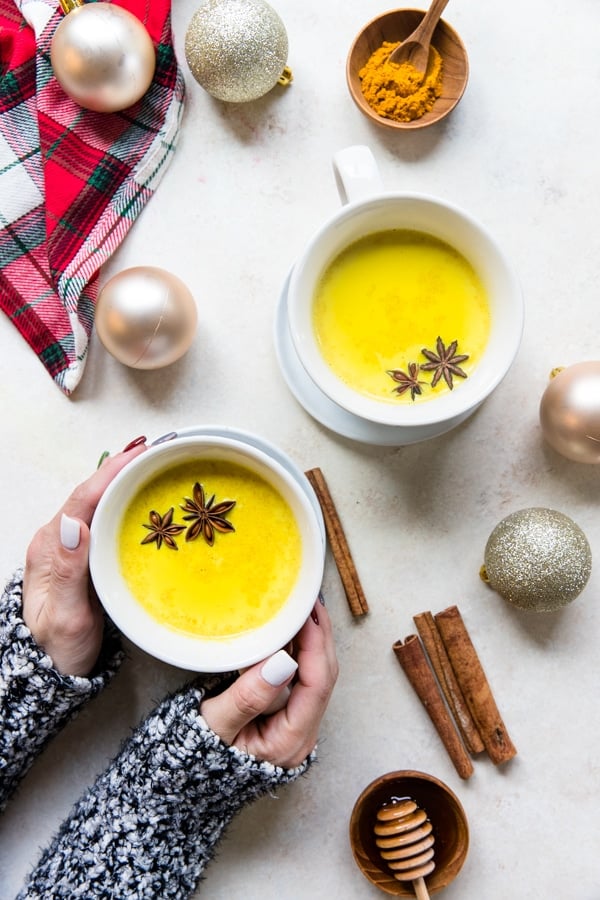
(395, 26)
(450, 829)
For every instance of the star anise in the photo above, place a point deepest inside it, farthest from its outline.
(206, 518)
(407, 381)
(444, 363)
(161, 529)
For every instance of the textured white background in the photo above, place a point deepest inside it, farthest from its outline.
(247, 187)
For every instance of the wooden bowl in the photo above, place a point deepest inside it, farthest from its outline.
(450, 829)
(397, 25)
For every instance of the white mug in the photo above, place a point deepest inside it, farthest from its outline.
(367, 208)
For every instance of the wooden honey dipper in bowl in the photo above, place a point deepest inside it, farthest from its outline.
(404, 838)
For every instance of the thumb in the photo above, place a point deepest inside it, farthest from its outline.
(69, 573)
(251, 695)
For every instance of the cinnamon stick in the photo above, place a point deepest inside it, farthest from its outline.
(339, 545)
(411, 657)
(474, 685)
(442, 667)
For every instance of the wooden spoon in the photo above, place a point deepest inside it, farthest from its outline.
(405, 842)
(415, 48)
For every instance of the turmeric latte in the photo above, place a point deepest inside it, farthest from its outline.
(210, 548)
(400, 316)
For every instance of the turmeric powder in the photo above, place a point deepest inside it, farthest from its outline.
(400, 92)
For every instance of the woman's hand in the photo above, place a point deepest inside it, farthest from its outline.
(286, 737)
(59, 605)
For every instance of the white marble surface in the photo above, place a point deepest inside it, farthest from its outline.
(246, 188)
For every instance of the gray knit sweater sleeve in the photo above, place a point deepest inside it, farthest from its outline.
(36, 701)
(151, 822)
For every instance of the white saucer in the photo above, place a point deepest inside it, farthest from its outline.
(260, 444)
(324, 410)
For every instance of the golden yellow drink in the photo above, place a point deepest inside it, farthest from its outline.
(232, 586)
(383, 303)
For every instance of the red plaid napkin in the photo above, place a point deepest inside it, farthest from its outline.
(72, 181)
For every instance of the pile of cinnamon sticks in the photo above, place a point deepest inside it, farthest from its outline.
(444, 669)
(440, 662)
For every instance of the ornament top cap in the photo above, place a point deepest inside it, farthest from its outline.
(68, 6)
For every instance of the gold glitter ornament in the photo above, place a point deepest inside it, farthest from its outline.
(570, 412)
(537, 559)
(237, 49)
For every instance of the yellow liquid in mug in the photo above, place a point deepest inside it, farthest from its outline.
(385, 298)
(236, 585)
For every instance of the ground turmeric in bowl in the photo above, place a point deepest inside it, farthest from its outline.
(400, 92)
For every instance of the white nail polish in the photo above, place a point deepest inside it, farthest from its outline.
(278, 668)
(70, 532)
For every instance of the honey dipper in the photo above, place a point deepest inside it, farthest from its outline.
(403, 835)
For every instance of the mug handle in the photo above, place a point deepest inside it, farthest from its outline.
(356, 174)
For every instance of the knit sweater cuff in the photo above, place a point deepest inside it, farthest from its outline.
(36, 701)
(175, 749)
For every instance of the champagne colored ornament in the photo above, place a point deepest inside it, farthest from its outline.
(102, 56)
(570, 412)
(146, 317)
(537, 559)
(237, 49)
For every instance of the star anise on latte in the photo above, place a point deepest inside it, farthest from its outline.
(162, 530)
(444, 363)
(407, 381)
(206, 518)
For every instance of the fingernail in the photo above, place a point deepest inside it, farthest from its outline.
(105, 455)
(70, 532)
(278, 668)
(164, 438)
(135, 443)
(315, 614)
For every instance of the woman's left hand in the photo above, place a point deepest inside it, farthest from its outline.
(239, 715)
(59, 605)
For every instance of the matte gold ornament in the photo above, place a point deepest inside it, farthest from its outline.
(237, 49)
(146, 317)
(570, 412)
(537, 559)
(102, 56)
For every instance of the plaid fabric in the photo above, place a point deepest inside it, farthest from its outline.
(72, 181)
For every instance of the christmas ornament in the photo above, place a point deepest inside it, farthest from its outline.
(570, 412)
(237, 49)
(102, 56)
(537, 559)
(146, 317)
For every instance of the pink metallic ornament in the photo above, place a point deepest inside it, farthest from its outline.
(146, 317)
(102, 56)
(570, 412)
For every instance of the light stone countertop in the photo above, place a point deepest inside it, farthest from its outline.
(246, 189)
